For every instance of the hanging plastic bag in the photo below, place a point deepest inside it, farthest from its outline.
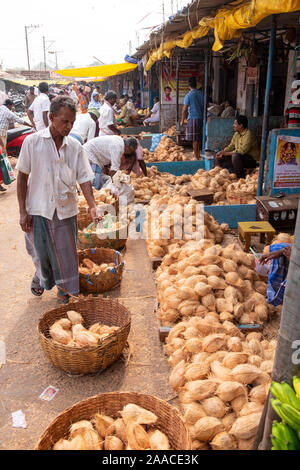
(6, 169)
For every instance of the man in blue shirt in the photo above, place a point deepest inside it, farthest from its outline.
(193, 110)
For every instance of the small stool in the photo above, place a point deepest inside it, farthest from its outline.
(247, 229)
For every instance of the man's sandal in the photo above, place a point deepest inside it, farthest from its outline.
(62, 298)
(36, 289)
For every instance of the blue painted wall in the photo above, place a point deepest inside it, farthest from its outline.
(179, 168)
(220, 130)
(269, 190)
(231, 215)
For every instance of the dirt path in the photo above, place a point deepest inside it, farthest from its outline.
(28, 372)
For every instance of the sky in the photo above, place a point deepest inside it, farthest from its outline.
(81, 30)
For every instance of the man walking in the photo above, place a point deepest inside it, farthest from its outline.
(39, 109)
(193, 110)
(48, 200)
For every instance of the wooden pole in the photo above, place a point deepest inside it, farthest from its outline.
(287, 357)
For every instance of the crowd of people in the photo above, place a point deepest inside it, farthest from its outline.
(77, 140)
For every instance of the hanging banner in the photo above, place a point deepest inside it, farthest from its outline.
(168, 81)
(287, 162)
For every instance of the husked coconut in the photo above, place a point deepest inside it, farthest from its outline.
(228, 391)
(246, 427)
(223, 441)
(192, 412)
(206, 428)
(215, 407)
(245, 373)
(201, 389)
(214, 342)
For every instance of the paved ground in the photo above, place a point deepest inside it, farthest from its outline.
(27, 371)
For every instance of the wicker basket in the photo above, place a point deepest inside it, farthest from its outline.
(237, 197)
(115, 240)
(84, 217)
(89, 359)
(169, 420)
(104, 281)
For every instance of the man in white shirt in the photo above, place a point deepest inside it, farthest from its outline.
(7, 117)
(84, 128)
(39, 110)
(107, 119)
(107, 151)
(48, 199)
(154, 114)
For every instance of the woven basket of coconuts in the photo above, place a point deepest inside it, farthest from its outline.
(115, 239)
(89, 359)
(84, 217)
(106, 274)
(169, 420)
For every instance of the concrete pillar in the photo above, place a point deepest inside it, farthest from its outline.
(290, 76)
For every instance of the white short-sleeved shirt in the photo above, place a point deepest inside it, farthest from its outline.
(53, 174)
(105, 150)
(107, 118)
(155, 110)
(84, 126)
(39, 105)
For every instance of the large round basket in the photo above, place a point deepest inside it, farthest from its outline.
(105, 280)
(89, 359)
(84, 217)
(169, 420)
(115, 240)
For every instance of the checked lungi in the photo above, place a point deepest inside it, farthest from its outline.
(194, 130)
(277, 276)
(52, 246)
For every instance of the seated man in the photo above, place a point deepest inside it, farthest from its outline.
(124, 117)
(243, 150)
(229, 111)
(154, 115)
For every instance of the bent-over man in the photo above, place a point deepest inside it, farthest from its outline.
(48, 200)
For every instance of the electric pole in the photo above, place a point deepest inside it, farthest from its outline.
(45, 49)
(55, 52)
(163, 10)
(32, 26)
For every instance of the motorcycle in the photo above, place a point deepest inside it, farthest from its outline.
(15, 139)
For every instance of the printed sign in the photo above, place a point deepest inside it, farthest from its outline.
(168, 81)
(287, 162)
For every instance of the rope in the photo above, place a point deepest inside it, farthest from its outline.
(189, 20)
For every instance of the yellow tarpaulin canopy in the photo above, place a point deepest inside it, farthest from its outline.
(227, 24)
(36, 82)
(98, 70)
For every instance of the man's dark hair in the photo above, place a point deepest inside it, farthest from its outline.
(192, 82)
(8, 102)
(43, 87)
(167, 88)
(110, 94)
(62, 102)
(242, 120)
(31, 88)
(131, 142)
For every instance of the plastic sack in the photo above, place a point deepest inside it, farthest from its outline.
(119, 185)
(261, 269)
(155, 141)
